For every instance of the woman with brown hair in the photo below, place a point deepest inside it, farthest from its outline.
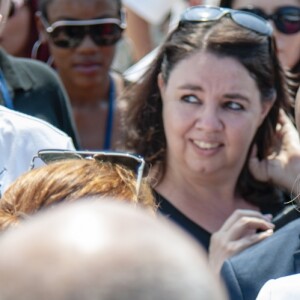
(207, 104)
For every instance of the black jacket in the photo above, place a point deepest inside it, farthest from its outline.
(277, 256)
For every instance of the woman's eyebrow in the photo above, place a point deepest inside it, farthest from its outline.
(236, 96)
(189, 86)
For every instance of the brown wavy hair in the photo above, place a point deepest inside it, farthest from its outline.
(68, 181)
(257, 53)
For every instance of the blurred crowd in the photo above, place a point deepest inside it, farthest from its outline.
(150, 149)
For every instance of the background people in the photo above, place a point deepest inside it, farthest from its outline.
(32, 88)
(214, 79)
(67, 181)
(83, 62)
(284, 15)
(103, 251)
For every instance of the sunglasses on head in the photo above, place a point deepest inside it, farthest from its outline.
(203, 13)
(285, 18)
(132, 162)
(70, 33)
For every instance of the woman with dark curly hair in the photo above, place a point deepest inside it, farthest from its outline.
(202, 114)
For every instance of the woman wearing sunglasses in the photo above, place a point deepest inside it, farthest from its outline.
(210, 98)
(82, 37)
(284, 15)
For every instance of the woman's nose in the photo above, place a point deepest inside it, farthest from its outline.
(209, 119)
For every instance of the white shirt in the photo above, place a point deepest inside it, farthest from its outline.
(21, 137)
(284, 288)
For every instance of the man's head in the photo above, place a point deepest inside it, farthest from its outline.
(89, 250)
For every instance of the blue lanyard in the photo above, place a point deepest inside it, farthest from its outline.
(5, 93)
(110, 116)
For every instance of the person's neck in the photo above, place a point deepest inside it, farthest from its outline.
(206, 202)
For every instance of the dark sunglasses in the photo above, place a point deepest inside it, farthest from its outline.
(131, 161)
(70, 33)
(285, 18)
(204, 13)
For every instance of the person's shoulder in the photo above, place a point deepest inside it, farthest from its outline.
(16, 122)
(245, 273)
(39, 72)
(287, 235)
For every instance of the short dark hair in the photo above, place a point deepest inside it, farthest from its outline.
(257, 53)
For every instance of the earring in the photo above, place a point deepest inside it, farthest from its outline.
(37, 52)
(35, 49)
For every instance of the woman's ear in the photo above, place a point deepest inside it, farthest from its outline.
(161, 84)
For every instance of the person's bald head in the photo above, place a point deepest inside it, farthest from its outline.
(102, 251)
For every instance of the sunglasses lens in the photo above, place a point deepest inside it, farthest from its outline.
(252, 22)
(287, 20)
(105, 34)
(67, 36)
(129, 162)
(255, 11)
(49, 157)
(72, 36)
(203, 14)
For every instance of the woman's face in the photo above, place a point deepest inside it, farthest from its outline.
(211, 112)
(87, 64)
(17, 30)
(288, 44)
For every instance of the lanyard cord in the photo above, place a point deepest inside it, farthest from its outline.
(5, 93)
(110, 117)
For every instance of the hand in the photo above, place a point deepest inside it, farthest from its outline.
(239, 232)
(283, 166)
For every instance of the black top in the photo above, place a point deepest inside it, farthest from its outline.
(167, 209)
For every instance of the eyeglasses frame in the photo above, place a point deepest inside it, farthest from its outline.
(142, 170)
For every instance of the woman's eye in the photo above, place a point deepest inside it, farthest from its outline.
(234, 106)
(190, 99)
